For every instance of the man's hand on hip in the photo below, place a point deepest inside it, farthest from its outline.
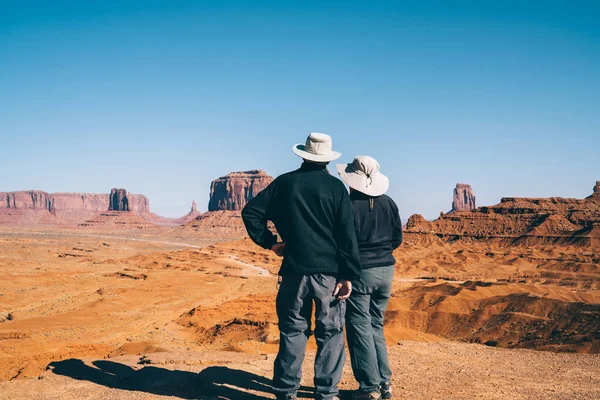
(343, 289)
(277, 248)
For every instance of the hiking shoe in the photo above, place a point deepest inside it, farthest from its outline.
(386, 390)
(360, 395)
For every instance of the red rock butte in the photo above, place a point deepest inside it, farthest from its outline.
(232, 191)
(463, 198)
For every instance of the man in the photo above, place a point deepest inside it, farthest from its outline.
(313, 215)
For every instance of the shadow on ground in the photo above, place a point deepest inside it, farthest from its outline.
(210, 383)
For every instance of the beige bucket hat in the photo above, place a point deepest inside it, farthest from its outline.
(317, 148)
(363, 175)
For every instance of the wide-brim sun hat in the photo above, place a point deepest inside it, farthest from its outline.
(318, 148)
(363, 175)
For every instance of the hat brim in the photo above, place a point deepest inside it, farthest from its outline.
(300, 152)
(380, 183)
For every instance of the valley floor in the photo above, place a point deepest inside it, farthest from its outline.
(90, 315)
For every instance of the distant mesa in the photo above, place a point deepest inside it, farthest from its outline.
(36, 207)
(232, 191)
(121, 209)
(52, 202)
(463, 198)
(515, 220)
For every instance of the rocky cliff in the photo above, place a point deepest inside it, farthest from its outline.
(519, 221)
(28, 200)
(233, 191)
(39, 200)
(463, 198)
(78, 201)
(34, 207)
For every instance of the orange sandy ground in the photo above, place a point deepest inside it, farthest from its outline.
(67, 295)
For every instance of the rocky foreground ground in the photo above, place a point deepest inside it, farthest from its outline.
(87, 315)
(442, 370)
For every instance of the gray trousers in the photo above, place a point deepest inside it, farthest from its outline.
(294, 309)
(364, 324)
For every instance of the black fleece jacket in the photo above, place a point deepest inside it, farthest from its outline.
(313, 215)
(378, 230)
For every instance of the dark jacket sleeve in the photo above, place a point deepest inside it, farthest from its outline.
(345, 237)
(255, 216)
(396, 226)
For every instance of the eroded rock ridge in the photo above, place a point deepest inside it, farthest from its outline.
(517, 220)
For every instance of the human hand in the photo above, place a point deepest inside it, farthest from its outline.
(277, 248)
(343, 289)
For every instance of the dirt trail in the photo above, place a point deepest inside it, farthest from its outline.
(257, 270)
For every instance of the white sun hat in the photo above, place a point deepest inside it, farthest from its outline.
(317, 148)
(363, 175)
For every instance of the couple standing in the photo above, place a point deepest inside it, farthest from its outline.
(337, 253)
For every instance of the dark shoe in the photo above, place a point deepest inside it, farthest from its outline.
(287, 397)
(386, 390)
(361, 395)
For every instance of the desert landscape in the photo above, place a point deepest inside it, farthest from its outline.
(134, 133)
(100, 298)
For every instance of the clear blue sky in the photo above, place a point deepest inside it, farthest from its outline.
(161, 97)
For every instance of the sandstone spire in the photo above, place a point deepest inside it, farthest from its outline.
(464, 198)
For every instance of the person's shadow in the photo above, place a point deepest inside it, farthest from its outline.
(210, 383)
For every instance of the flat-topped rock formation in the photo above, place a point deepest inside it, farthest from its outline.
(52, 202)
(518, 220)
(463, 198)
(232, 191)
(30, 200)
(36, 207)
(95, 202)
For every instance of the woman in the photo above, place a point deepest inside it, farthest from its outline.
(379, 232)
